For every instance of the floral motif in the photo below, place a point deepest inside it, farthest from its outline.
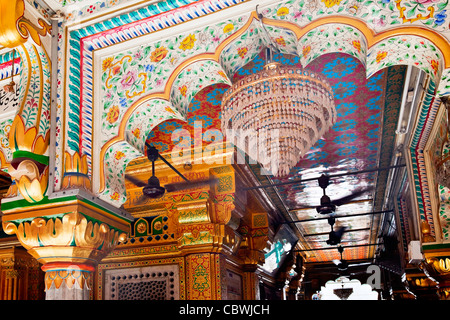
(158, 54)
(128, 79)
(434, 66)
(119, 155)
(183, 90)
(115, 196)
(242, 52)
(440, 18)
(169, 109)
(282, 11)
(331, 3)
(107, 63)
(380, 56)
(188, 42)
(113, 114)
(221, 73)
(137, 133)
(115, 70)
(306, 50)
(228, 28)
(357, 45)
(280, 41)
(354, 8)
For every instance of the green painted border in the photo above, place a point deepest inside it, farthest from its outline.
(437, 246)
(23, 203)
(26, 154)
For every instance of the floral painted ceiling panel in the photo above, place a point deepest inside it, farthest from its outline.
(203, 116)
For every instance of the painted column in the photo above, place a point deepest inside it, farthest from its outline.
(207, 235)
(254, 231)
(20, 275)
(68, 281)
(69, 237)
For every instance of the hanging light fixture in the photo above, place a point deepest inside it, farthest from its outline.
(10, 86)
(284, 109)
(443, 165)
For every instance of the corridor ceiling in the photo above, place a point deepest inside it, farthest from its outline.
(362, 139)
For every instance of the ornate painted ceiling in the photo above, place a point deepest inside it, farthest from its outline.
(137, 71)
(361, 139)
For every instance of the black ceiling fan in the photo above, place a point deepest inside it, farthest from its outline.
(335, 236)
(152, 189)
(343, 265)
(328, 206)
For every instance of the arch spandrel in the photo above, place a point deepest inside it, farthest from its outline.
(329, 38)
(136, 128)
(406, 49)
(192, 79)
(244, 48)
(146, 117)
(116, 159)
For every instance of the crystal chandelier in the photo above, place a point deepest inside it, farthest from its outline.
(443, 166)
(277, 114)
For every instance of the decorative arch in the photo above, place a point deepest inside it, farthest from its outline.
(136, 128)
(146, 117)
(332, 37)
(414, 50)
(244, 47)
(194, 78)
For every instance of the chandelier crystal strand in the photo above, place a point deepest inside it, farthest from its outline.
(285, 109)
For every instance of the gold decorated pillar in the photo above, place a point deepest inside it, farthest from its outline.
(438, 266)
(207, 234)
(255, 234)
(20, 275)
(69, 237)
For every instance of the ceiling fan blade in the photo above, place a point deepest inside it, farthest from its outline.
(302, 207)
(142, 199)
(336, 262)
(347, 199)
(357, 273)
(135, 181)
(189, 185)
(340, 232)
(359, 264)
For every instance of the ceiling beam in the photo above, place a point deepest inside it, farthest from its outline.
(327, 233)
(331, 176)
(335, 248)
(337, 217)
(303, 208)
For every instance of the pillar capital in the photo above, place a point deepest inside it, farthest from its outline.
(69, 237)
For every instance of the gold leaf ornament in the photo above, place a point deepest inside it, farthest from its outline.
(31, 184)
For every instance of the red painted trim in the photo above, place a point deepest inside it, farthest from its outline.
(53, 266)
